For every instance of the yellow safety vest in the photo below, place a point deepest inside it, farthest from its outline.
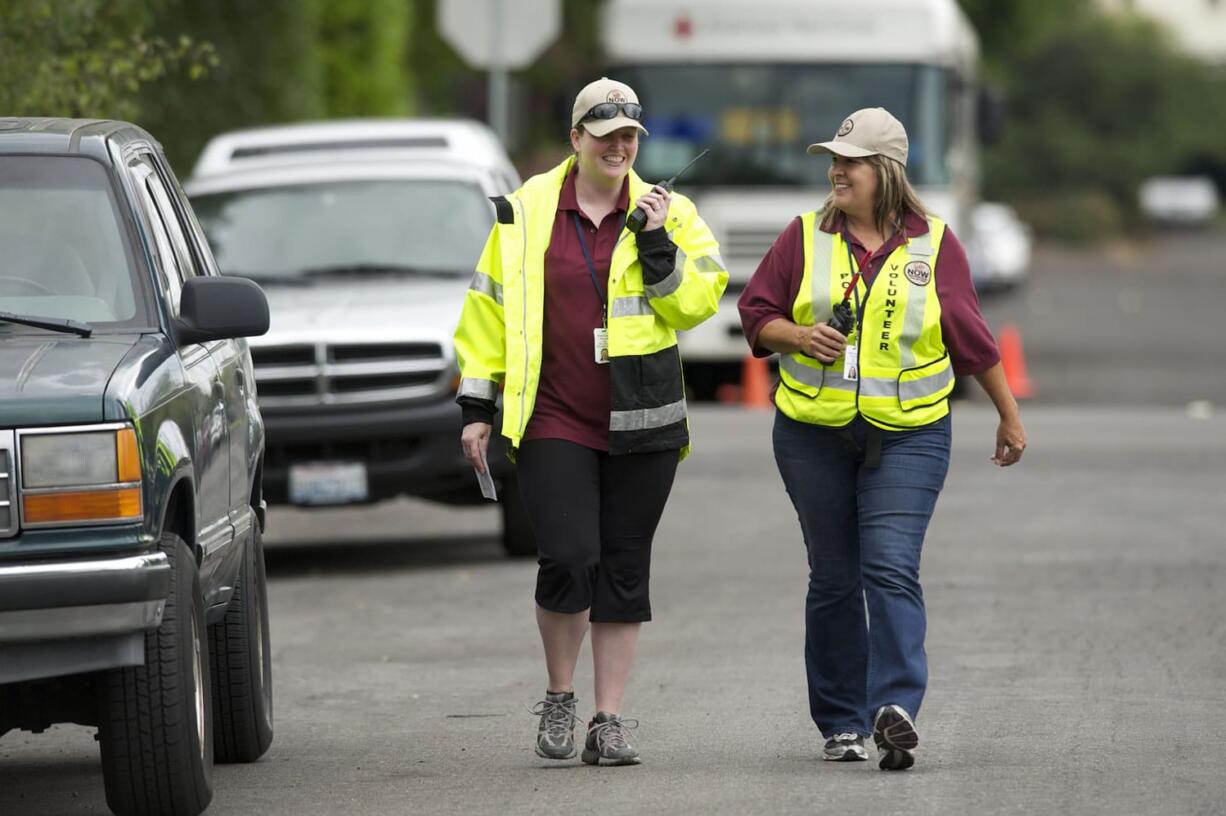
(905, 374)
(498, 339)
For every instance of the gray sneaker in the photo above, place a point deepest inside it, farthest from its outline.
(896, 738)
(555, 736)
(606, 741)
(846, 747)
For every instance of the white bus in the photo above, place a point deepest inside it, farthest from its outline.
(758, 80)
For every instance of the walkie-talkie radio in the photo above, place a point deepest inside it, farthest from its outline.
(638, 217)
(843, 321)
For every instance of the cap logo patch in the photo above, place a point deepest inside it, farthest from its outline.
(918, 272)
(616, 95)
(846, 127)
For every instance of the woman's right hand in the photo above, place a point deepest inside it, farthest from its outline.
(475, 440)
(822, 342)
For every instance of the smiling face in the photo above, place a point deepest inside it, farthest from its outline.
(855, 185)
(606, 159)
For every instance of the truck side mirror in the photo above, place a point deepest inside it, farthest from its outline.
(219, 309)
(991, 115)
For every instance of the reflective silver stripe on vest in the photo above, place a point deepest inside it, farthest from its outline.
(909, 390)
(632, 306)
(710, 263)
(646, 418)
(917, 298)
(925, 386)
(484, 284)
(473, 387)
(823, 248)
(811, 376)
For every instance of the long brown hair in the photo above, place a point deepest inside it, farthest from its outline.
(895, 197)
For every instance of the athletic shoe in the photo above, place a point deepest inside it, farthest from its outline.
(606, 741)
(845, 748)
(896, 738)
(555, 736)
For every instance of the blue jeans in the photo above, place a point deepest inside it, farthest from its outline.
(864, 530)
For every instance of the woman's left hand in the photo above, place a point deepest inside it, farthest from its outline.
(1010, 442)
(655, 204)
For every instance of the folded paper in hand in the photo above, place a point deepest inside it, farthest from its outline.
(485, 480)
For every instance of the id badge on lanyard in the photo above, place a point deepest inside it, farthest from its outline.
(600, 336)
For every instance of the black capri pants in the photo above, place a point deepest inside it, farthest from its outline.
(594, 516)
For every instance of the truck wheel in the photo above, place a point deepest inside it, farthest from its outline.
(156, 720)
(517, 537)
(242, 665)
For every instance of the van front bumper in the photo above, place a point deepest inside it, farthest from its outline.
(70, 616)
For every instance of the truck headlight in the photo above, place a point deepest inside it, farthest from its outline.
(80, 476)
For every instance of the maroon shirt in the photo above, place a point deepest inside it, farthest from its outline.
(772, 292)
(572, 400)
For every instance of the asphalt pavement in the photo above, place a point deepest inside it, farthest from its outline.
(1077, 616)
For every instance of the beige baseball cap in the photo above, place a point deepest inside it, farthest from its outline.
(867, 132)
(612, 94)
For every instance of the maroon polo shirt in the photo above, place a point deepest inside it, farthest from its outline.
(776, 282)
(572, 400)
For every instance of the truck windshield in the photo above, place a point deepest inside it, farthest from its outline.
(64, 254)
(757, 119)
(398, 225)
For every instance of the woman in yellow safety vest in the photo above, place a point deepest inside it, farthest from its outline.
(869, 303)
(574, 317)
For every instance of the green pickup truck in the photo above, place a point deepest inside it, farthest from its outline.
(132, 586)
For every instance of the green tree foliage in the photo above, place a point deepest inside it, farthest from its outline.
(281, 61)
(88, 58)
(1097, 102)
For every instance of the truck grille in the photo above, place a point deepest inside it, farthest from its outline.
(743, 249)
(348, 373)
(8, 486)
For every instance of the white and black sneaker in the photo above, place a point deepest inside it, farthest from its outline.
(896, 738)
(555, 735)
(844, 748)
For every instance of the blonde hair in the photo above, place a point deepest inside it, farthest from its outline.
(895, 197)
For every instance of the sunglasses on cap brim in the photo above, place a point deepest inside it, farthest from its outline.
(610, 110)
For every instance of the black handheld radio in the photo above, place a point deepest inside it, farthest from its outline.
(638, 217)
(843, 321)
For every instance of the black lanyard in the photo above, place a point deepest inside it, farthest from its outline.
(591, 266)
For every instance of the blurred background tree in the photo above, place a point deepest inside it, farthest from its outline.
(89, 58)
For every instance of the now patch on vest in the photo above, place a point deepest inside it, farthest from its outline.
(918, 272)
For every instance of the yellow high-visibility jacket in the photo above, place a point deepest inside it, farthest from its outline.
(498, 339)
(905, 372)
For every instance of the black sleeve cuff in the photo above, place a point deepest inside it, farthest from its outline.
(475, 409)
(657, 255)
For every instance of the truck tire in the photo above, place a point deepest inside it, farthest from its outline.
(242, 665)
(156, 720)
(517, 537)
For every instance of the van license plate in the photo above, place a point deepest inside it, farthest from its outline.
(328, 483)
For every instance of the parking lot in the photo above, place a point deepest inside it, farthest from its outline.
(1076, 634)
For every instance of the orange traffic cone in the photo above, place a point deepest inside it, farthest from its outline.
(755, 382)
(1014, 361)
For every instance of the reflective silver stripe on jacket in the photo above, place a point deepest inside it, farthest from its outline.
(484, 389)
(484, 284)
(823, 248)
(670, 283)
(646, 418)
(919, 247)
(811, 376)
(633, 306)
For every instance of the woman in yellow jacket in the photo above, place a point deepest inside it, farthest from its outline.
(573, 317)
